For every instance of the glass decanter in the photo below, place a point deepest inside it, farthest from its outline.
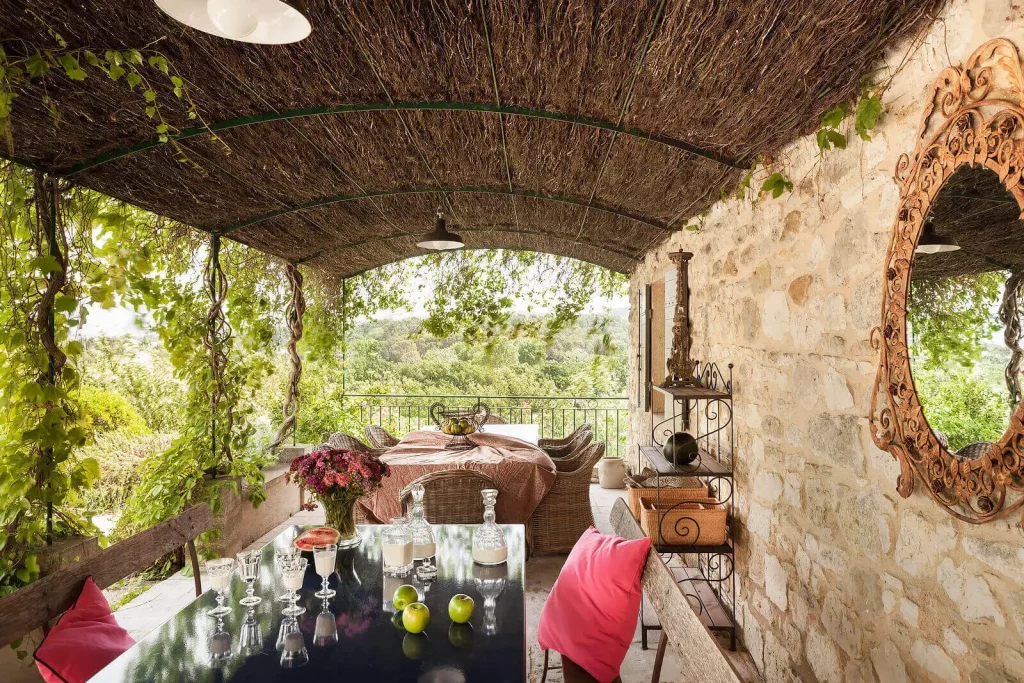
(489, 546)
(396, 548)
(490, 582)
(424, 546)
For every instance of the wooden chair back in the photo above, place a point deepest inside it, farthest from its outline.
(450, 496)
(39, 603)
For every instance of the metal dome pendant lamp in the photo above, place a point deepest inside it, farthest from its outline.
(440, 239)
(933, 243)
(267, 22)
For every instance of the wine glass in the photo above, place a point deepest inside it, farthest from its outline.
(326, 632)
(220, 571)
(250, 564)
(281, 556)
(251, 641)
(324, 558)
(288, 625)
(219, 645)
(294, 572)
(294, 654)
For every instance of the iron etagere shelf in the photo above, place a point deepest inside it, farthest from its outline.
(706, 572)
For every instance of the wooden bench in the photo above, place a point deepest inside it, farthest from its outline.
(703, 660)
(701, 656)
(39, 603)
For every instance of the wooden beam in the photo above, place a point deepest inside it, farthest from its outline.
(700, 656)
(38, 603)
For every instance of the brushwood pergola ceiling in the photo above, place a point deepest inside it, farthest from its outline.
(585, 128)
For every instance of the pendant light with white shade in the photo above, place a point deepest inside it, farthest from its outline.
(441, 239)
(270, 22)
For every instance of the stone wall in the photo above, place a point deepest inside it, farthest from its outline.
(842, 580)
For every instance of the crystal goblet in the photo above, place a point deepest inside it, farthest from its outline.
(324, 558)
(250, 564)
(220, 571)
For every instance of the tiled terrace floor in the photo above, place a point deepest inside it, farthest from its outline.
(149, 610)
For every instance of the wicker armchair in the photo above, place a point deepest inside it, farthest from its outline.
(347, 442)
(566, 447)
(379, 437)
(493, 419)
(565, 513)
(450, 496)
(585, 427)
(572, 461)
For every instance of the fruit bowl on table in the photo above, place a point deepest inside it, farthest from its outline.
(459, 423)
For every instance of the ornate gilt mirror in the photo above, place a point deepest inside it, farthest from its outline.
(950, 340)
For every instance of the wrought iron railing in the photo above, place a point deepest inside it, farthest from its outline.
(555, 416)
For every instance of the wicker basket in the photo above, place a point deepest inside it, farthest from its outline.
(687, 517)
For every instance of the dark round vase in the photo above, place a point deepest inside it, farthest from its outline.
(680, 449)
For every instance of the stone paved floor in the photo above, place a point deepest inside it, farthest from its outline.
(149, 610)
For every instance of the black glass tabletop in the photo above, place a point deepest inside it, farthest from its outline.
(252, 644)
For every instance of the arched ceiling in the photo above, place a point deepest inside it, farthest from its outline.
(590, 128)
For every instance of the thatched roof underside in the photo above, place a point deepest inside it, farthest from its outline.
(980, 213)
(680, 96)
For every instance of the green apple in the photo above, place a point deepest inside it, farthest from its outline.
(404, 596)
(460, 608)
(415, 617)
(414, 645)
(460, 635)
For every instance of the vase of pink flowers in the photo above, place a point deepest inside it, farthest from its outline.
(337, 479)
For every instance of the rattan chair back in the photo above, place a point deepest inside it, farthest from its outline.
(451, 496)
(379, 437)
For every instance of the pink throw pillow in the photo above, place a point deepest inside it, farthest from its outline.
(591, 614)
(84, 640)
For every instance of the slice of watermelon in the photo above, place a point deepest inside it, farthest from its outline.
(323, 535)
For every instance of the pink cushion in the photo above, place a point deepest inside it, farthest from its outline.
(84, 640)
(591, 614)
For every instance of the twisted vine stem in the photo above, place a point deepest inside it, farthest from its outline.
(1010, 317)
(48, 223)
(218, 333)
(293, 315)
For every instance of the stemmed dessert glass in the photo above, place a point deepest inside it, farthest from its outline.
(281, 556)
(219, 645)
(294, 653)
(293, 572)
(251, 641)
(288, 625)
(250, 564)
(326, 632)
(324, 558)
(220, 571)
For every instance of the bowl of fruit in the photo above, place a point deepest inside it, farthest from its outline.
(459, 423)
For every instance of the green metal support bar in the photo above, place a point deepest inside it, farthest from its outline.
(341, 247)
(484, 107)
(336, 199)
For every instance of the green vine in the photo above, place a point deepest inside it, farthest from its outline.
(867, 111)
(141, 70)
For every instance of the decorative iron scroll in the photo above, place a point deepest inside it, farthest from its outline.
(293, 315)
(975, 117)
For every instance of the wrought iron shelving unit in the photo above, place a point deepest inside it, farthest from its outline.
(707, 572)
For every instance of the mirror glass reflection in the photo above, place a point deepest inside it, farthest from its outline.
(963, 313)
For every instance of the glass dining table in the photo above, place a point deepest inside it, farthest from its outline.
(260, 644)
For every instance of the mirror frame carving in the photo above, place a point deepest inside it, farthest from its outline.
(975, 117)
